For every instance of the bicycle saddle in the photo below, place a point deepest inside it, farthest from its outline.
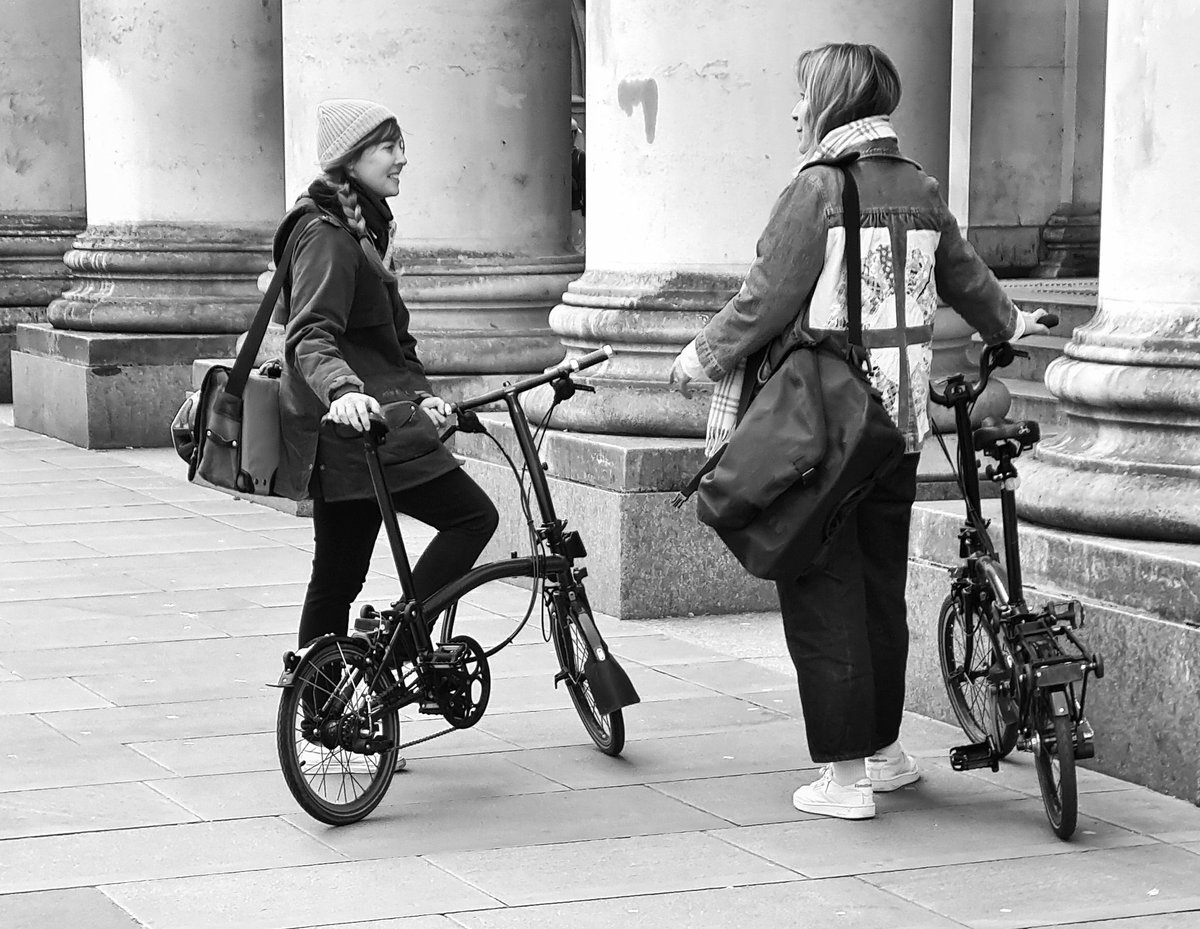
(1025, 432)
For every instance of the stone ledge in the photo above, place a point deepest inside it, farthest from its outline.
(118, 348)
(1158, 578)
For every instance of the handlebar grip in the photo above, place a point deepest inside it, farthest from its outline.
(590, 359)
(1049, 320)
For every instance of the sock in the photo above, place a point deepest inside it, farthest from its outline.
(891, 752)
(848, 773)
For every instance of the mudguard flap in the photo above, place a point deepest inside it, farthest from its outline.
(611, 687)
(293, 661)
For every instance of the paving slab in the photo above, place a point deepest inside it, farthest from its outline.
(26, 813)
(991, 831)
(400, 829)
(609, 867)
(775, 747)
(43, 696)
(160, 684)
(282, 898)
(642, 721)
(82, 907)
(192, 719)
(155, 853)
(758, 799)
(36, 627)
(447, 781)
(836, 903)
(1099, 885)
(35, 756)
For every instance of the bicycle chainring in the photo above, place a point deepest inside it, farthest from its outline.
(464, 683)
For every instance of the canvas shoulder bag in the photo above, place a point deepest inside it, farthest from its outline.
(812, 442)
(228, 431)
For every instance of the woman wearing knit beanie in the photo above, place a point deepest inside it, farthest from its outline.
(348, 355)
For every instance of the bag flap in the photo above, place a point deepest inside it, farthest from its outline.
(779, 442)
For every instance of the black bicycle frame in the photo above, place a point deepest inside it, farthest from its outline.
(534, 566)
(968, 466)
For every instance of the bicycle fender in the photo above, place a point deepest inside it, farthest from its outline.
(293, 661)
(611, 687)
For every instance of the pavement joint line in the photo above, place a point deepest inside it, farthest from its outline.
(906, 902)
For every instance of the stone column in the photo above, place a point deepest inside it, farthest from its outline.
(41, 173)
(690, 140)
(483, 93)
(1129, 462)
(183, 140)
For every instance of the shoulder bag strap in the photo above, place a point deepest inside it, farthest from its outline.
(852, 223)
(258, 328)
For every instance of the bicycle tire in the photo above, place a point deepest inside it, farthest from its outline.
(1056, 767)
(972, 696)
(332, 784)
(607, 730)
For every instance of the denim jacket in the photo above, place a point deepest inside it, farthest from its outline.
(913, 254)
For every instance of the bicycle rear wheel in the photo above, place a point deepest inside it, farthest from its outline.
(969, 650)
(570, 644)
(326, 720)
(1055, 762)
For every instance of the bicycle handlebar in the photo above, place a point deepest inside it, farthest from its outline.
(1000, 355)
(566, 368)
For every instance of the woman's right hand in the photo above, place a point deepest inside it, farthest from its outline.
(354, 410)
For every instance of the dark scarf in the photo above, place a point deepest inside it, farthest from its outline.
(376, 213)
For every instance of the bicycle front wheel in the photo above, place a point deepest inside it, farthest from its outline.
(336, 749)
(570, 644)
(1055, 762)
(969, 650)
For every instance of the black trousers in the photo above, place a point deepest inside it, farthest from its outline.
(846, 627)
(345, 533)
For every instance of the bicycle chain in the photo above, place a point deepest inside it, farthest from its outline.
(426, 738)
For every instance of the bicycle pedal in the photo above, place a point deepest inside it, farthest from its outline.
(977, 755)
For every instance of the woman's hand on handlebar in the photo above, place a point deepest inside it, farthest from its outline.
(355, 410)
(438, 410)
(1033, 323)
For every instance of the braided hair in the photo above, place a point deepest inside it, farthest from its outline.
(337, 176)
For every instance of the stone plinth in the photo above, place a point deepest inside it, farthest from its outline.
(32, 274)
(1141, 601)
(1128, 462)
(645, 558)
(101, 389)
(482, 91)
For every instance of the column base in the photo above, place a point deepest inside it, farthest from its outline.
(1128, 463)
(485, 314)
(165, 278)
(104, 390)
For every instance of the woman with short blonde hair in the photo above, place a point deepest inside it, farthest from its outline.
(846, 622)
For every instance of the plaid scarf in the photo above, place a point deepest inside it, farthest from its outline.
(727, 395)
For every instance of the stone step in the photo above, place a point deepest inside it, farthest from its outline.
(1031, 400)
(1042, 350)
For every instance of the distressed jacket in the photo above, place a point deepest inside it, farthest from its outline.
(913, 253)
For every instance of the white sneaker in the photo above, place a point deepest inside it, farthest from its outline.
(887, 775)
(827, 798)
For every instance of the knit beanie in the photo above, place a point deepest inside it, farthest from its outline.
(342, 124)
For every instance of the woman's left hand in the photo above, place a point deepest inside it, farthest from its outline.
(679, 379)
(437, 409)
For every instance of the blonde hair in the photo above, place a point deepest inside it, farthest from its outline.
(843, 82)
(337, 176)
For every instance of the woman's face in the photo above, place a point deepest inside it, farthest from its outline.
(803, 128)
(378, 168)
